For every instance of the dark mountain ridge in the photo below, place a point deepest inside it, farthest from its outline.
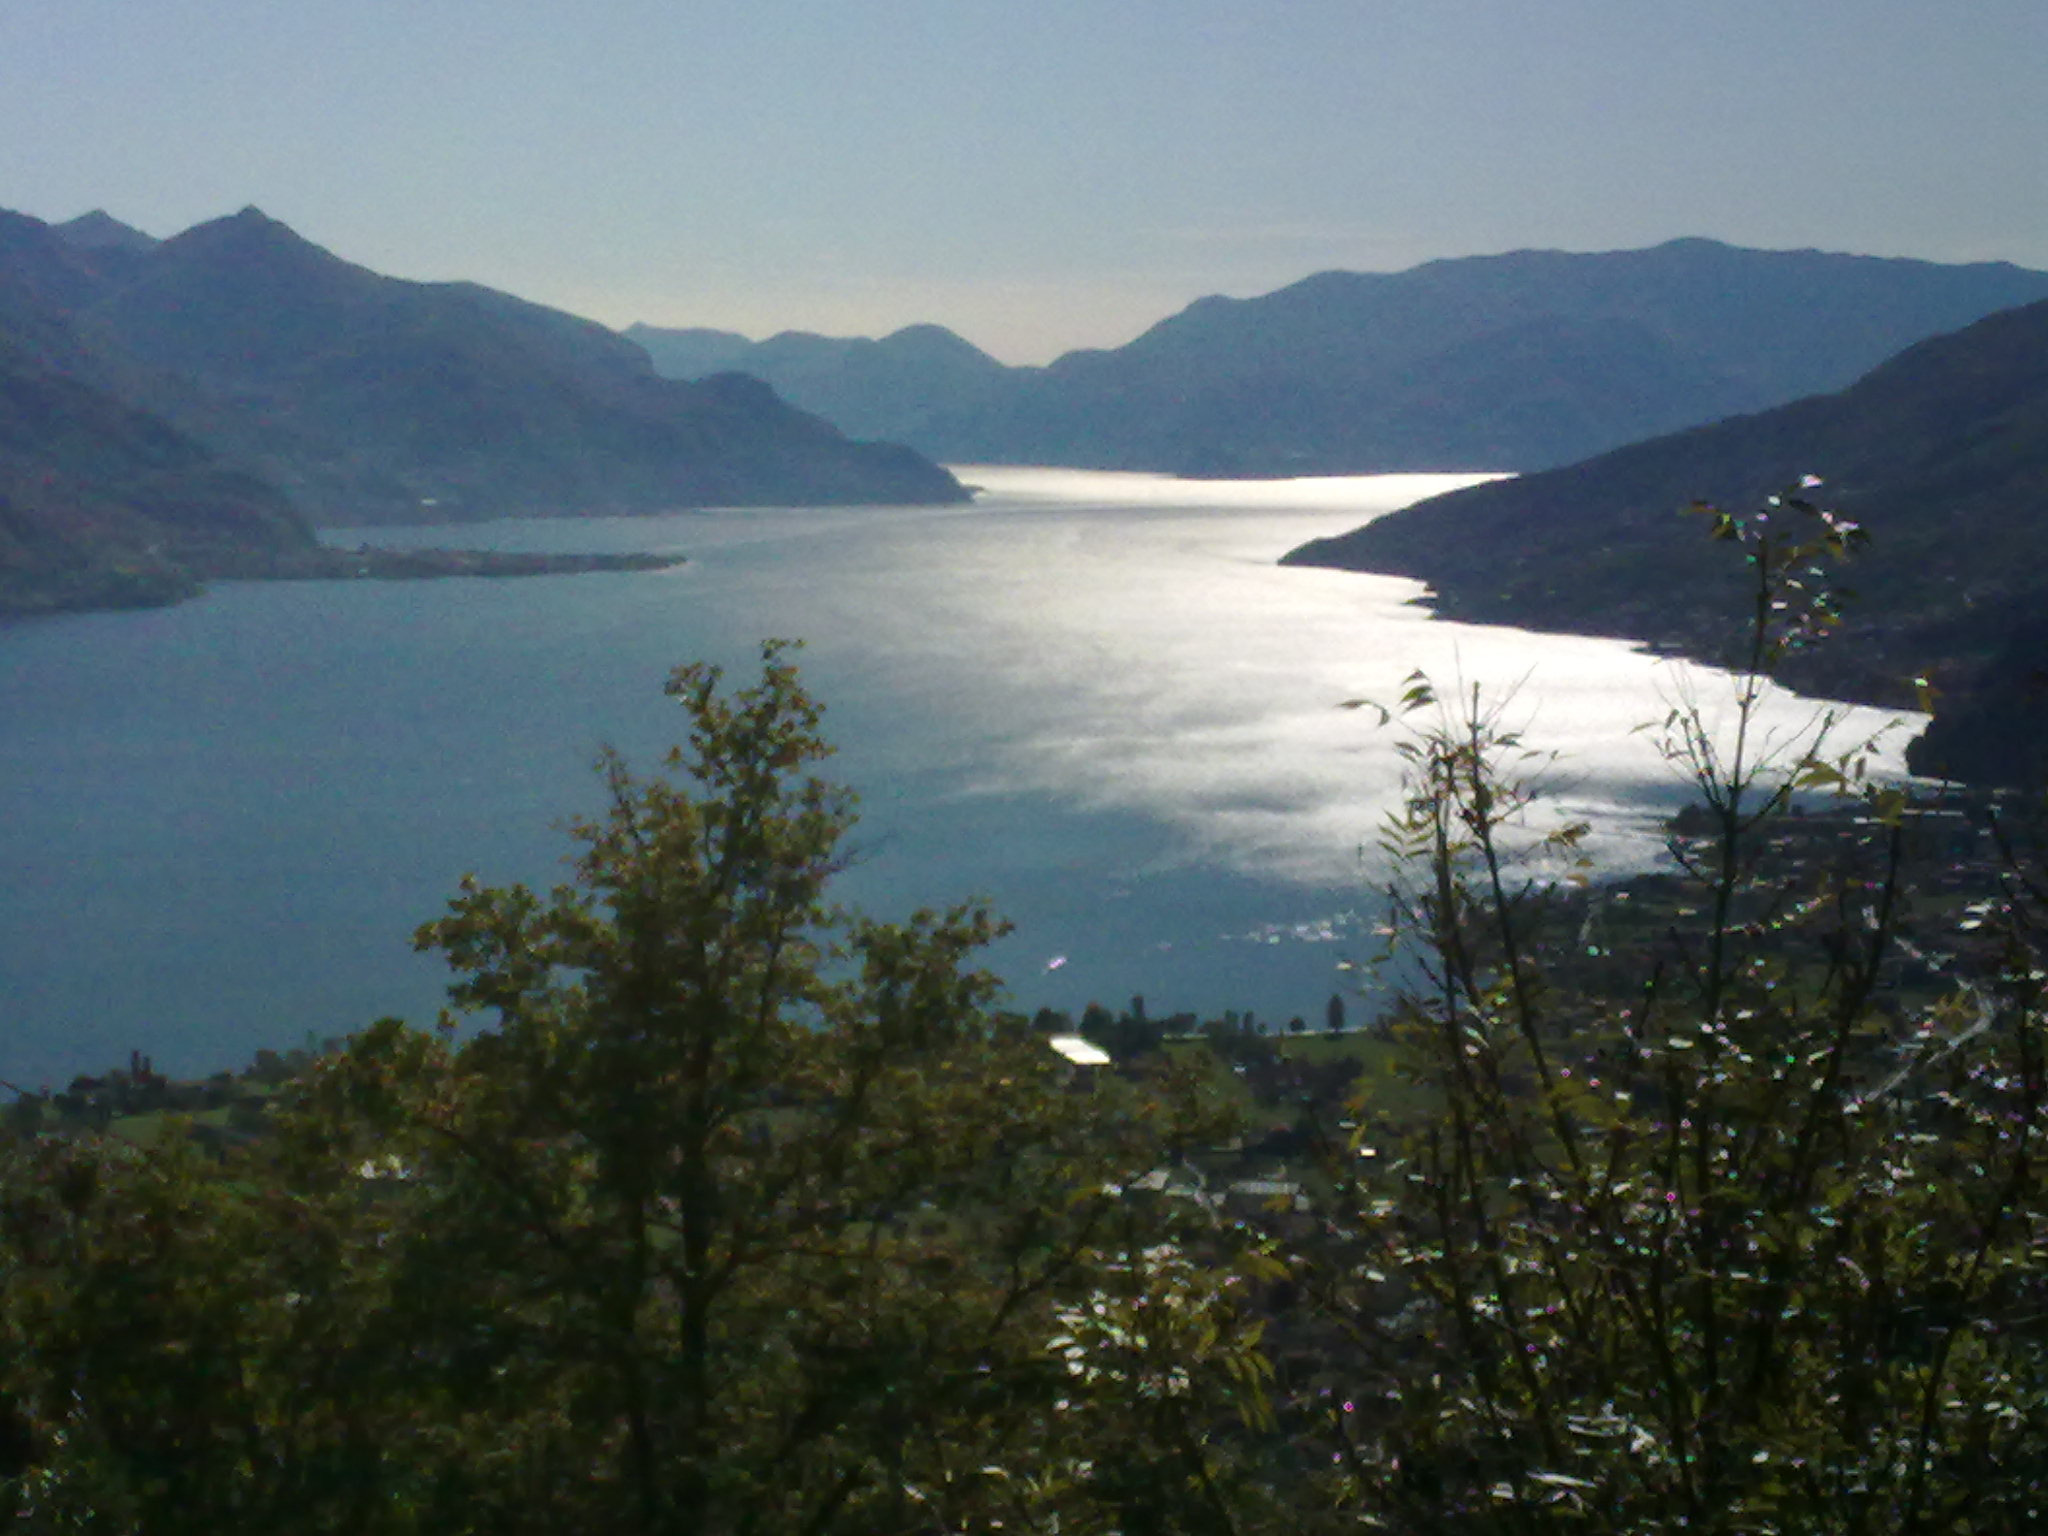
(1942, 452)
(175, 409)
(100, 230)
(368, 398)
(1517, 361)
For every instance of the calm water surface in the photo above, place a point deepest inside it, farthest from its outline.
(1092, 698)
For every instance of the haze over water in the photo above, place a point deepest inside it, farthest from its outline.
(1092, 698)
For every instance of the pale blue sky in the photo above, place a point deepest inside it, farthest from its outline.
(1036, 175)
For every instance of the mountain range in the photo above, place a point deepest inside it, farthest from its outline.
(1520, 361)
(908, 384)
(1940, 453)
(193, 407)
(178, 406)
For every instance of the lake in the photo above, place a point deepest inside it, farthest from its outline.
(1092, 698)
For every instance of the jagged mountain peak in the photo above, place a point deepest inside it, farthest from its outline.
(100, 230)
(249, 236)
(244, 222)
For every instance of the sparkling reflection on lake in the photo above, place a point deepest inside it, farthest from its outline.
(1090, 697)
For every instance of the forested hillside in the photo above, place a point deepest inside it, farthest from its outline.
(103, 505)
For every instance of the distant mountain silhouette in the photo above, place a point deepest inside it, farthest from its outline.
(1942, 452)
(697, 352)
(186, 407)
(368, 398)
(1513, 362)
(908, 384)
(100, 230)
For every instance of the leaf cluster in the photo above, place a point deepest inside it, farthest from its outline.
(1726, 1232)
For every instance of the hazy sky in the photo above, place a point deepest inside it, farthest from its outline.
(1036, 175)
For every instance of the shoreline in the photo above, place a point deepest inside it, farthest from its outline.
(117, 591)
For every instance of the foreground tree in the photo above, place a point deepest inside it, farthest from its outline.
(1735, 1227)
(739, 1214)
(183, 1343)
(760, 1214)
